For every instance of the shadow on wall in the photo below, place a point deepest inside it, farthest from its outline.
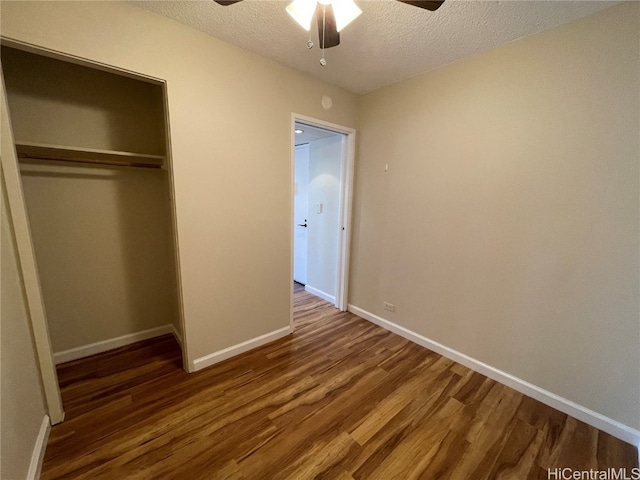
(81, 106)
(103, 245)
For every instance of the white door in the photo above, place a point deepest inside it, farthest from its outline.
(300, 214)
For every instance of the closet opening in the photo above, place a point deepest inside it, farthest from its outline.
(95, 171)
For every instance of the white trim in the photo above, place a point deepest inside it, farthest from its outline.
(220, 355)
(28, 266)
(346, 207)
(177, 336)
(106, 345)
(40, 447)
(292, 181)
(186, 359)
(320, 293)
(595, 419)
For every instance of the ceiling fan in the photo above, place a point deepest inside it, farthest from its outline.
(332, 16)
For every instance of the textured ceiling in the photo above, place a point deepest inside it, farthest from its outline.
(388, 43)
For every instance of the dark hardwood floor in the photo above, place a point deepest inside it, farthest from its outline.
(338, 399)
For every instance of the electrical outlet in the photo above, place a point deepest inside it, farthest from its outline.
(389, 306)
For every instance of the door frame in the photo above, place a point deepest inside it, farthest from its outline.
(27, 263)
(346, 202)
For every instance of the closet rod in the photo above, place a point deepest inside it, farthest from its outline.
(89, 162)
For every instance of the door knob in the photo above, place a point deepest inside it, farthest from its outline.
(303, 224)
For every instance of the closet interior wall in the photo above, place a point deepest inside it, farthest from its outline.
(102, 234)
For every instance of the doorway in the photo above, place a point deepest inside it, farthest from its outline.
(300, 208)
(322, 164)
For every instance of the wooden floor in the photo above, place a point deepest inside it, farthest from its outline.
(341, 398)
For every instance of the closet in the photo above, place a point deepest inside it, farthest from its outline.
(92, 150)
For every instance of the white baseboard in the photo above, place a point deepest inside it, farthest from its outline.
(321, 294)
(40, 447)
(215, 357)
(601, 422)
(106, 345)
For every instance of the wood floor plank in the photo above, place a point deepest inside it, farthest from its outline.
(518, 454)
(385, 441)
(384, 412)
(412, 456)
(340, 398)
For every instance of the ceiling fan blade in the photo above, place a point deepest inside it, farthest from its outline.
(327, 31)
(431, 5)
(226, 3)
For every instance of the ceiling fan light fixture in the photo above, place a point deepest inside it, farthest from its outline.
(302, 12)
(346, 11)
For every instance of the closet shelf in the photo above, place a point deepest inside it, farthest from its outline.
(42, 151)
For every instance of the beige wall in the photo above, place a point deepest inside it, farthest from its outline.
(507, 225)
(22, 401)
(232, 190)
